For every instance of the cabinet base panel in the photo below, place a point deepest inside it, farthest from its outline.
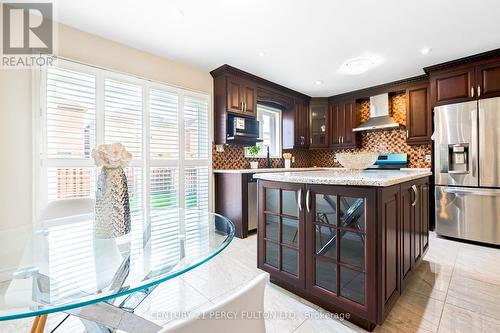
(358, 321)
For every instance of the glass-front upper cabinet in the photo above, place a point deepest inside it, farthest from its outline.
(318, 114)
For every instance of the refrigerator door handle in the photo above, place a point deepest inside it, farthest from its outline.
(466, 191)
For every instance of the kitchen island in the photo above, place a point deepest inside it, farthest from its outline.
(345, 240)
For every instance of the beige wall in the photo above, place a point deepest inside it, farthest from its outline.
(16, 111)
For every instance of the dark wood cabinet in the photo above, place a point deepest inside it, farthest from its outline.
(232, 198)
(238, 92)
(488, 80)
(418, 115)
(241, 96)
(301, 122)
(390, 225)
(414, 224)
(465, 79)
(344, 118)
(346, 248)
(281, 249)
(407, 223)
(453, 86)
(318, 123)
(340, 231)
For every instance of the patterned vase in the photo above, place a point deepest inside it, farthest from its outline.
(112, 210)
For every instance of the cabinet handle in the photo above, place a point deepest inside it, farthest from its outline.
(407, 134)
(342, 139)
(241, 106)
(415, 191)
(299, 200)
(471, 91)
(245, 103)
(478, 90)
(339, 140)
(307, 201)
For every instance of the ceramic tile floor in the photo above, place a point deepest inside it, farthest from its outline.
(456, 289)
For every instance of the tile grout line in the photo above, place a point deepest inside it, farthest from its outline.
(474, 279)
(447, 289)
(296, 328)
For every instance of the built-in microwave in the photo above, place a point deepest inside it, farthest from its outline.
(242, 128)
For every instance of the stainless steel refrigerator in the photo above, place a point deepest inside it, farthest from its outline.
(467, 170)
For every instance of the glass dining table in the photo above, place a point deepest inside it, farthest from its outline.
(62, 267)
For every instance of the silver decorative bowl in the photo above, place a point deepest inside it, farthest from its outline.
(356, 161)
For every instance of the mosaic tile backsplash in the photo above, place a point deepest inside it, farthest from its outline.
(382, 141)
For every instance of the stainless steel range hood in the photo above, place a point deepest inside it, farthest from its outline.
(379, 115)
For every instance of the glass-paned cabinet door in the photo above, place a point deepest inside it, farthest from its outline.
(338, 244)
(282, 225)
(319, 116)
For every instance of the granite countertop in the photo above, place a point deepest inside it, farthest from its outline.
(378, 178)
(267, 170)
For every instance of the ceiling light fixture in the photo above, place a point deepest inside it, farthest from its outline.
(262, 54)
(425, 50)
(357, 66)
(319, 82)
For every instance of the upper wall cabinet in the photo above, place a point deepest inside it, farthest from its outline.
(343, 118)
(453, 86)
(301, 122)
(465, 79)
(237, 92)
(488, 80)
(418, 115)
(241, 96)
(318, 123)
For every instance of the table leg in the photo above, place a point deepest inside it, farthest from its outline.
(39, 324)
(101, 317)
(34, 327)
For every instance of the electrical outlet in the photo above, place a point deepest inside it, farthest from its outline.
(428, 158)
(219, 148)
(293, 159)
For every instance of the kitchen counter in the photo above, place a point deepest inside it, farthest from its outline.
(379, 178)
(267, 170)
(348, 241)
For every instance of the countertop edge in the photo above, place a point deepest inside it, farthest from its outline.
(362, 182)
(266, 170)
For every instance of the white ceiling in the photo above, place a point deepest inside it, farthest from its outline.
(303, 41)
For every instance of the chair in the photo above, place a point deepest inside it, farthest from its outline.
(247, 304)
(67, 207)
(54, 210)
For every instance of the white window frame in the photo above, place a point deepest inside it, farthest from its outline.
(278, 125)
(40, 158)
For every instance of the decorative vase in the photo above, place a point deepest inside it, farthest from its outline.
(112, 210)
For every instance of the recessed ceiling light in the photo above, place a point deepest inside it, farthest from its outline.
(357, 66)
(319, 82)
(262, 54)
(425, 50)
(178, 13)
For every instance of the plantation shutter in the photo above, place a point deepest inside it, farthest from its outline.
(70, 133)
(195, 128)
(164, 124)
(123, 115)
(165, 128)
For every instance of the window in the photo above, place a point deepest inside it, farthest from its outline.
(165, 128)
(269, 131)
